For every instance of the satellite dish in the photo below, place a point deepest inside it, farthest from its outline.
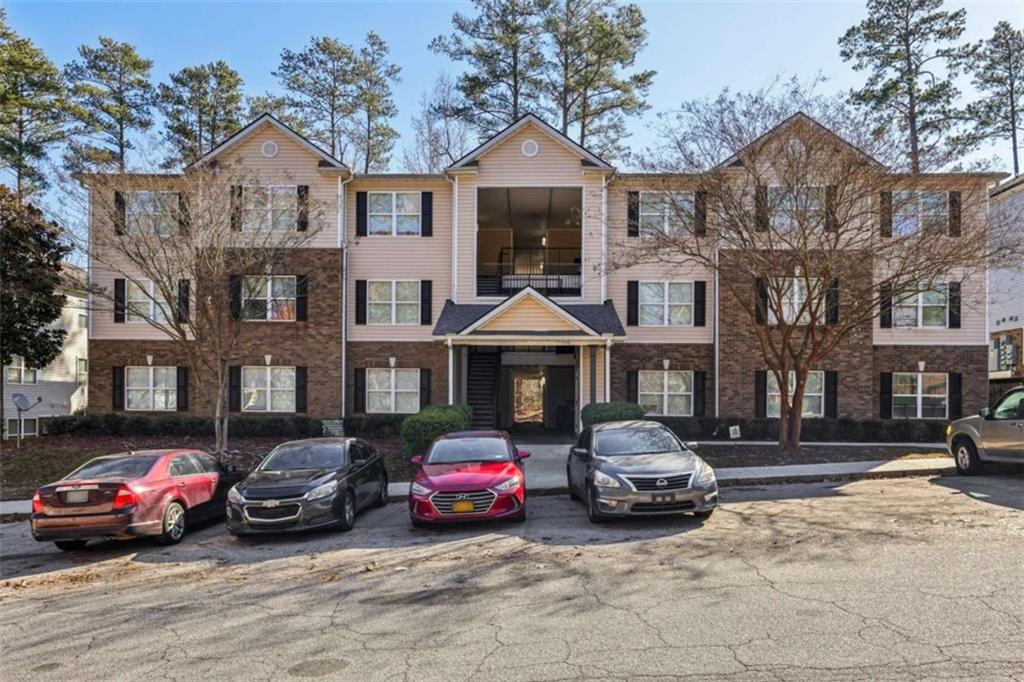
(21, 401)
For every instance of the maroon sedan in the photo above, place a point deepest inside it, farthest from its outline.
(147, 493)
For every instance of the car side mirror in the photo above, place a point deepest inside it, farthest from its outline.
(358, 462)
(418, 459)
(691, 445)
(579, 452)
(522, 454)
(985, 413)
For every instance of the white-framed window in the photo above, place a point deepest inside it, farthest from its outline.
(666, 304)
(143, 302)
(814, 394)
(18, 373)
(923, 308)
(788, 209)
(393, 213)
(152, 212)
(795, 294)
(668, 392)
(268, 389)
(269, 298)
(151, 388)
(919, 395)
(393, 302)
(665, 212)
(30, 427)
(393, 391)
(914, 212)
(83, 320)
(82, 371)
(274, 207)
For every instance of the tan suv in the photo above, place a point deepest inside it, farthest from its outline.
(994, 435)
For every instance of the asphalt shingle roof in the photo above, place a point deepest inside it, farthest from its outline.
(601, 317)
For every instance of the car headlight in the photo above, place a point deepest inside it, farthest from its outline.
(605, 481)
(706, 475)
(418, 489)
(510, 484)
(235, 496)
(321, 491)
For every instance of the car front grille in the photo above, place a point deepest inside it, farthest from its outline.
(283, 512)
(655, 508)
(481, 499)
(649, 484)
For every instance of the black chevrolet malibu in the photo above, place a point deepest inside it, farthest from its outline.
(307, 484)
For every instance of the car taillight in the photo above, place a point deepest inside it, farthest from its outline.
(37, 503)
(126, 497)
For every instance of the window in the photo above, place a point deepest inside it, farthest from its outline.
(394, 213)
(666, 393)
(269, 298)
(182, 465)
(789, 209)
(144, 302)
(151, 388)
(665, 212)
(30, 427)
(666, 304)
(814, 394)
(82, 371)
(272, 206)
(794, 296)
(918, 396)
(152, 212)
(83, 321)
(268, 389)
(913, 212)
(17, 373)
(924, 308)
(393, 302)
(1011, 407)
(393, 390)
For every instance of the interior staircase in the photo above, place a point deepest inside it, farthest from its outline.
(482, 388)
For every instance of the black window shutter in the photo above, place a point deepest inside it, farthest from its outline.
(302, 216)
(235, 295)
(424, 387)
(301, 297)
(761, 394)
(832, 303)
(234, 388)
(956, 395)
(831, 213)
(831, 395)
(954, 214)
(761, 217)
(360, 214)
(182, 389)
(700, 304)
(699, 380)
(633, 386)
(885, 306)
(236, 207)
(885, 396)
(761, 304)
(120, 214)
(184, 301)
(427, 214)
(300, 390)
(632, 303)
(359, 390)
(700, 213)
(426, 301)
(885, 213)
(360, 301)
(117, 399)
(119, 300)
(953, 292)
(184, 219)
(633, 215)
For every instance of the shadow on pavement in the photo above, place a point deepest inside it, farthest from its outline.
(1001, 485)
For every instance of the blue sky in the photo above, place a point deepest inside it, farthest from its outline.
(697, 47)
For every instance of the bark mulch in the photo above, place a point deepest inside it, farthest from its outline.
(770, 454)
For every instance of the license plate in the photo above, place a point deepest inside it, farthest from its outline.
(76, 496)
(463, 506)
(663, 499)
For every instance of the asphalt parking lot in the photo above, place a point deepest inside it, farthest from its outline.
(899, 580)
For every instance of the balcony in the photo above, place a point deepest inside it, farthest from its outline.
(551, 271)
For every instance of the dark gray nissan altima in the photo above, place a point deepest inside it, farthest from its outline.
(638, 468)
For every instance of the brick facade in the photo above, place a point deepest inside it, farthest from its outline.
(970, 361)
(408, 355)
(630, 356)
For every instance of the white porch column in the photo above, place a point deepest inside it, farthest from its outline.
(451, 373)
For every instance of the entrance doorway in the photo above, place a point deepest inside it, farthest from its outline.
(528, 396)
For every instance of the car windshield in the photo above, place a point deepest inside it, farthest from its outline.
(114, 467)
(637, 441)
(453, 450)
(291, 456)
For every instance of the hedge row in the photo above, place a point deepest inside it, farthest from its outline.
(121, 424)
(595, 413)
(419, 430)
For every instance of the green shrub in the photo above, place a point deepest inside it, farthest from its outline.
(596, 413)
(374, 425)
(138, 425)
(419, 430)
(62, 425)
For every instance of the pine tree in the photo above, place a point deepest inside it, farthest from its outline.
(371, 134)
(997, 67)
(202, 105)
(909, 49)
(278, 107)
(114, 98)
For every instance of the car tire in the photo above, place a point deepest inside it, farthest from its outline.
(70, 545)
(419, 524)
(173, 525)
(382, 492)
(347, 516)
(593, 514)
(572, 493)
(704, 515)
(521, 516)
(965, 454)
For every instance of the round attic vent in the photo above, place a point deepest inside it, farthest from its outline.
(530, 148)
(269, 149)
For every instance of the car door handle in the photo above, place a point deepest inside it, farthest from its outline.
(182, 484)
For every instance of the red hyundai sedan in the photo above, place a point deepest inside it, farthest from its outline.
(469, 476)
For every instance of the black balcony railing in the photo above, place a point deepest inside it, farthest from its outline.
(553, 272)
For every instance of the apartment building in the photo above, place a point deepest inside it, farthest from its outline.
(489, 284)
(1006, 297)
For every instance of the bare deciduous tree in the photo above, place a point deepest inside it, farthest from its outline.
(441, 135)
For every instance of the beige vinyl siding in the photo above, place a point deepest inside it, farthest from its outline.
(103, 325)
(528, 314)
(385, 257)
(973, 329)
(584, 373)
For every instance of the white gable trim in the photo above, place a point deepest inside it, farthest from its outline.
(543, 300)
(256, 124)
(513, 128)
(781, 127)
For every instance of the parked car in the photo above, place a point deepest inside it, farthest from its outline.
(469, 475)
(306, 484)
(993, 435)
(633, 468)
(155, 493)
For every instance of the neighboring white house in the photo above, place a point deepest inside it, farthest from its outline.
(1006, 296)
(63, 384)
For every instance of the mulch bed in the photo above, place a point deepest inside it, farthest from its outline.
(769, 454)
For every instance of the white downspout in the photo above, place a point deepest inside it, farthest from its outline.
(455, 238)
(608, 371)
(604, 237)
(717, 351)
(451, 372)
(343, 245)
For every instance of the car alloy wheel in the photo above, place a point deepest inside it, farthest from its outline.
(963, 458)
(174, 524)
(348, 511)
(966, 457)
(382, 492)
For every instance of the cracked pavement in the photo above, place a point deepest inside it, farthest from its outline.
(907, 579)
